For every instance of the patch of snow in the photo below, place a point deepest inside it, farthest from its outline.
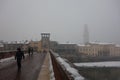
(7, 59)
(117, 45)
(83, 45)
(52, 77)
(74, 73)
(101, 43)
(99, 64)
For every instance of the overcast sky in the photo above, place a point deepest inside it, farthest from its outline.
(64, 19)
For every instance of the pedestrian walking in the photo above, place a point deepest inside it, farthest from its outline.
(19, 55)
(29, 50)
(32, 50)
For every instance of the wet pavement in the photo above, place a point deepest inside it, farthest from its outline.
(31, 67)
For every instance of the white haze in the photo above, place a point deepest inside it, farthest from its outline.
(64, 19)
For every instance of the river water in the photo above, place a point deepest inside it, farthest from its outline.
(100, 70)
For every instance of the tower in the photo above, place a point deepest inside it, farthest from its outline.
(86, 34)
(45, 41)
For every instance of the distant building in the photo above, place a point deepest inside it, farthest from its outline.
(97, 49)
(66, 48)
(1, 47)
(100, 49)
(45, 41)
(53, 45)
(12, 46)
(36, 45)
(43, 44)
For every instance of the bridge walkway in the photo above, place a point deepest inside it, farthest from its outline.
(30, 70)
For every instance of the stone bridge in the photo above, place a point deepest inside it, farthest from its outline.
(39, 66)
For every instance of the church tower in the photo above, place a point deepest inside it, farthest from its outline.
(86, 35)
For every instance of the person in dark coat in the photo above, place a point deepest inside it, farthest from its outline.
(19, 55)
(32, 50)
(29, 50)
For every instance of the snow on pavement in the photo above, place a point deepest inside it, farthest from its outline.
(7, 61)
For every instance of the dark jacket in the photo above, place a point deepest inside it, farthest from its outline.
(19, 55)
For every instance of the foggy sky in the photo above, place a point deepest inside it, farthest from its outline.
(64, 19)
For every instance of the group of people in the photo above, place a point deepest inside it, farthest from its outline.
(20, 55)
(30, 50)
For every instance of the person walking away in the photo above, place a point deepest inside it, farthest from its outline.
(29, 51)
(19, 55)
(32, 50)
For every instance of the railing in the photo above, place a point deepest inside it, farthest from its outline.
(59, 73)
(63, 70)
(6, 54)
